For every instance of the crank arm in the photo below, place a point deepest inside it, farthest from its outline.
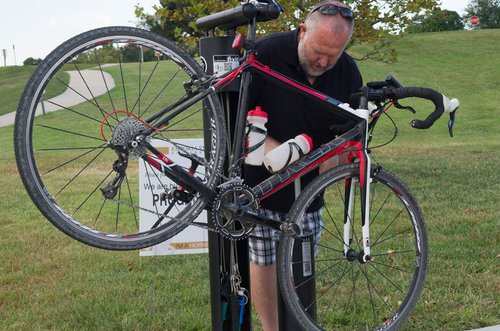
(247, 215)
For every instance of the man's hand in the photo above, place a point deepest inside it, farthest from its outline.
(270, 144)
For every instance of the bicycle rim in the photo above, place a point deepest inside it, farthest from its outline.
(98, 87)
(350, 294)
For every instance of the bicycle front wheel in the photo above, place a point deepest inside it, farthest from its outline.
(102, 86)
(343, 292)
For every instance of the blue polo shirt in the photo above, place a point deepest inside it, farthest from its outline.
(290, 114)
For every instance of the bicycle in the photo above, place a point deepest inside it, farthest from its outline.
(67, 159)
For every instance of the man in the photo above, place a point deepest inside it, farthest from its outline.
(312, 55)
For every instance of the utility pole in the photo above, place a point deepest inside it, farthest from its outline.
(4, 57)
(14, 50)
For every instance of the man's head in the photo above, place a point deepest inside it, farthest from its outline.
(323, 36)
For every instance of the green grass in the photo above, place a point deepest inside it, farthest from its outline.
(12, 81)
(49, 281)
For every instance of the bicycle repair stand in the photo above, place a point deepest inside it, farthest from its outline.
(229, 311)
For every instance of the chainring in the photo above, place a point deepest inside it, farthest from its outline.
(232, 197)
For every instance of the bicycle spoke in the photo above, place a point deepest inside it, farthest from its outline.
(333, 283)
(319, 261)
(95, 103)
(183, 119)
(316, 275)
(100, 211)
(72, 160)
(69, 132)
(372, 222)
(105, 84)
(330, 248)
(165, 213)
(138, 100)
(60, 149)
(132, 202)
(387, 227)
(383, 275)
(393, 253)
(117, 217)
(378, 242)
(372, 286)
(162, 90)
(352, 294)
(73, 111)
(147, 165)
(93, 191)
(79, 172)
(143, 89)
(123, 83)
(391, 267)
(339, 238)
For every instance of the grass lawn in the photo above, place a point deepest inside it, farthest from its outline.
(49, 281)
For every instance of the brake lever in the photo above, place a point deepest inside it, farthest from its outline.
(451, 122)
(399, 106)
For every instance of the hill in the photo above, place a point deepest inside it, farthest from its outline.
(462, 64)
(52, 282)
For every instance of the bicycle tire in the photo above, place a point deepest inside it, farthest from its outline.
(351, 295)
(105, 83)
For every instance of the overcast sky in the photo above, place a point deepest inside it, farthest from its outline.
(37, 27)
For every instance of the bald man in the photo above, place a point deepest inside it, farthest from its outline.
(314, 56)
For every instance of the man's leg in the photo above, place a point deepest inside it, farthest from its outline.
(264, 294)
(263, 281)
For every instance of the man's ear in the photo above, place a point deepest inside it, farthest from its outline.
(302, 30)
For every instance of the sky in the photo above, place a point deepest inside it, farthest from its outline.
(32, 28)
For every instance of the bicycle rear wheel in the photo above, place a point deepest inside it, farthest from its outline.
(101, 86)
(350, 294)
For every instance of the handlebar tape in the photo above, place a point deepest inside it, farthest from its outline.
(424, 93)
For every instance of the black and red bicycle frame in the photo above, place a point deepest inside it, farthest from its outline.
(353, 141)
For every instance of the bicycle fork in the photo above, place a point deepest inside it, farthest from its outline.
(364, 182)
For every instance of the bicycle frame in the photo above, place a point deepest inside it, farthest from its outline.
(354, 141)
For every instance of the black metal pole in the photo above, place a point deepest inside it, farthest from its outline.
(226, 307)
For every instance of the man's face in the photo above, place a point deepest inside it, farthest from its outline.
(319, 49)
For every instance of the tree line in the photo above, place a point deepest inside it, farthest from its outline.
(378, 24)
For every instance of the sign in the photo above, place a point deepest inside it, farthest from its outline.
(152, 183)
(474, 20)
(225, 63)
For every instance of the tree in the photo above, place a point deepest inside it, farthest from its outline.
(32, 61)
(378, 22)
(488, 12)
(438, 20)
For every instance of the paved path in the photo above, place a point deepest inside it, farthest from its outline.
(75, 94)
(491, 328)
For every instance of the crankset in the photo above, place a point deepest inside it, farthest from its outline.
(228, 208)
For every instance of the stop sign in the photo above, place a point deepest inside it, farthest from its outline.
(474, 20)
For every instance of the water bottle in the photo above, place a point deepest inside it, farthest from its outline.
(256, 136)
(287, 153)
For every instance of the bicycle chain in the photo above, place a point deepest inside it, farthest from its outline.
(200, 225)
